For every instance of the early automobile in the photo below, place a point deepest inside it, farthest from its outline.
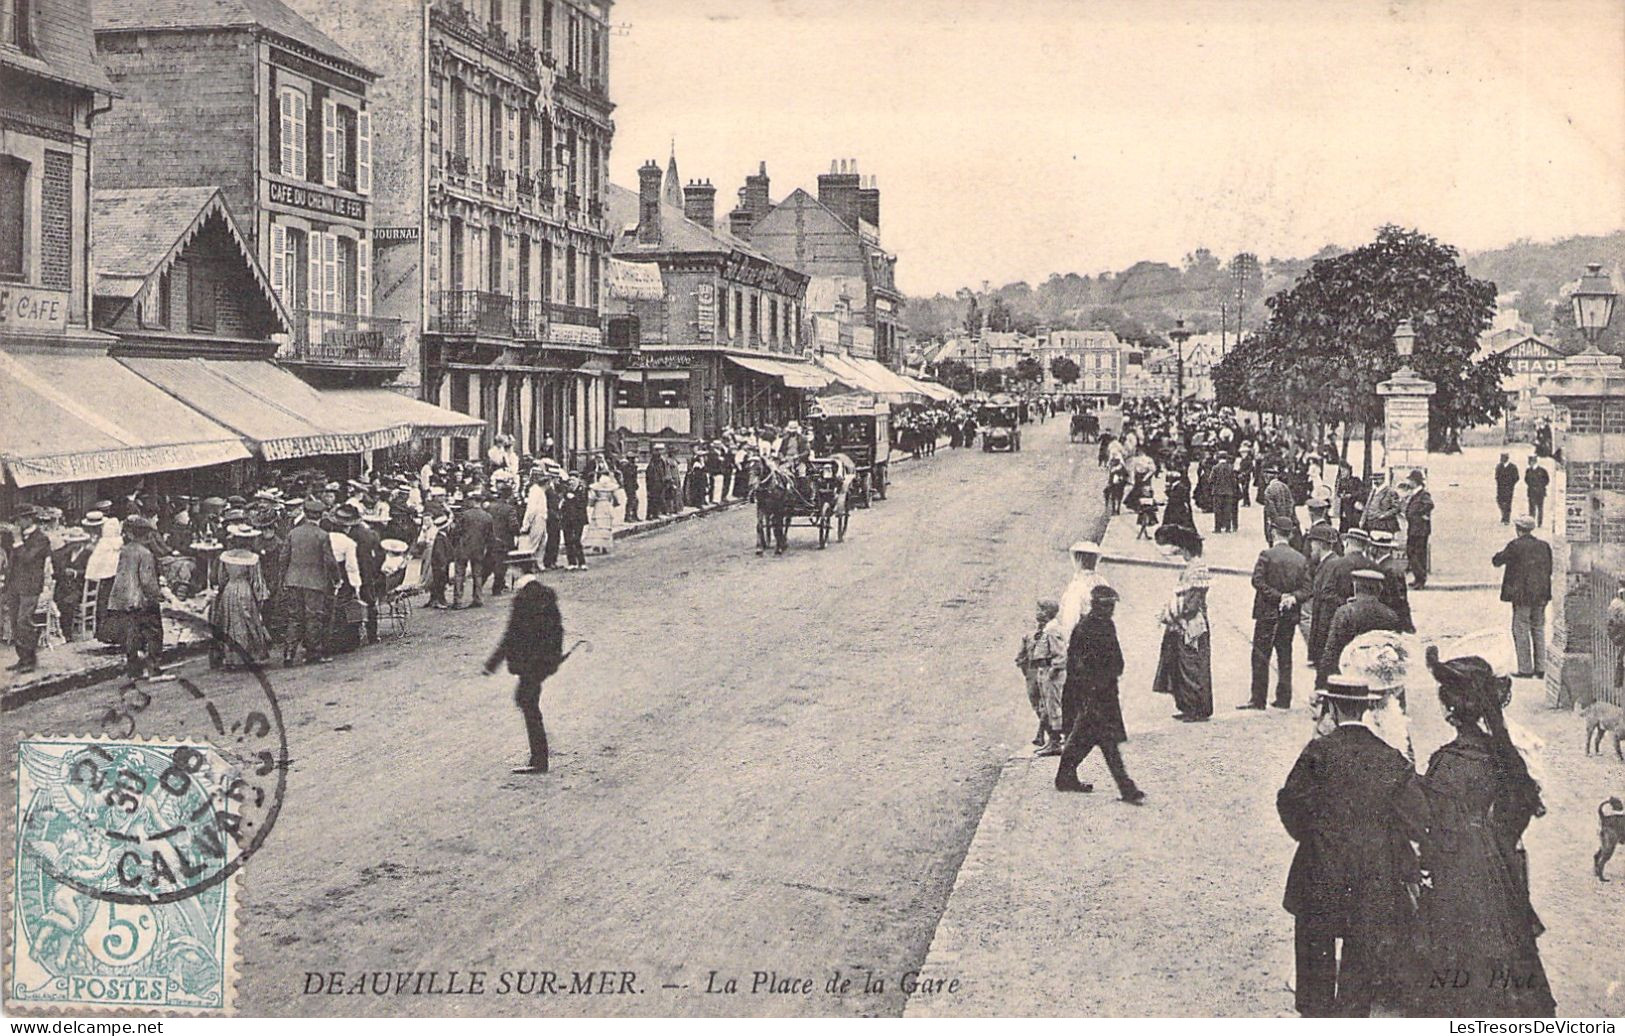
(1000, 421)
(857, 426)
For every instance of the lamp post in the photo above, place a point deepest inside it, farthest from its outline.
(1180, 334)
(1404, 345)
(1593, 303)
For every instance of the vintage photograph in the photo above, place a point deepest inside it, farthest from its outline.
(958, 509)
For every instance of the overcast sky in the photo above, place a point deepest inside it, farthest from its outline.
(1016, 138)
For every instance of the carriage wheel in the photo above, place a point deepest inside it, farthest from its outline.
(841, 523)
(880, 481)
(866, 490)
(823, 531)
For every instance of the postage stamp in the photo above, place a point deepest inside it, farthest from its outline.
(123, 875)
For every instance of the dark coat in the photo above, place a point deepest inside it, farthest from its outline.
(25, 574)
(1535, 481)
(1419, 514)
(533, 644)
(1361, 615)
(369, 554)
(504, 526)
(573, 507)
(1094, 662)
(68, 566)
(1528, 576)
(1222, 483)
(1396, 593)
(1328, 598)
(1280, 570)
(1506, 480)
(476, 531)
(309, 562)
(1353, 861)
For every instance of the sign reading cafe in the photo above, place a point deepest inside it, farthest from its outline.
(32, 309)
(301, 197)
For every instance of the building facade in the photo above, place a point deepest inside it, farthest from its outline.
(720, 329)
(1098, 354)
(492, 240)
(249, 97)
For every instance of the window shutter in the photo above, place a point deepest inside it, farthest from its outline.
(330, 271)
(313, 269)
(363, 277)
(299, 169)
(363, 152)
(286, 130)
(279, 261)
(330, 142)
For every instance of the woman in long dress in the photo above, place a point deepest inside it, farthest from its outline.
(100, 569)
(605, 499)
(240, 636)
(1468, 815)
(1185, 667)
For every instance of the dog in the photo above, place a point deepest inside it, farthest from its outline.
(1603, 718)
(1611, 830)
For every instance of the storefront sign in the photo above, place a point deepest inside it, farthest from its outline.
(705, 311)
(393, 234)
(309, 198)
(574, 334)
(24, 309)
(754, 273)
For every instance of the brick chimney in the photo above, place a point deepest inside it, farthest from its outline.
(755, 198)
(740, 220)
(869, 202)
(700, 202)
(838, 190)
(649, 204)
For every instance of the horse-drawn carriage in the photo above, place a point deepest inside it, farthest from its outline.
(817, 498)
(857, 426)
(999, 419)
(1085, 428)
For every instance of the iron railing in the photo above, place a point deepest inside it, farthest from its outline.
(529, 318)
(456, 163)
(473, 312)
(583, 316)
(346, 339)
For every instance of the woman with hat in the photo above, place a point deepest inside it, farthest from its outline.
(68, 567)
(1468, 815)
(240, 636)
(1185, 667)
(605, 501)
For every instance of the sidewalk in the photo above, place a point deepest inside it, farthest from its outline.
(1081, 905)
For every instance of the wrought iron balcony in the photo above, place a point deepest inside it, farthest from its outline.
(456, 163)
(345, 340)
(582, 316)
(595, 209)
(572, 201)
(529, 318)
(525, 184)
(473, 312)
(496, 177)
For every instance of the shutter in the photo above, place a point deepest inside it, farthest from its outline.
(286, 128)
(363, 152)
(313, 270)
(330, 272)
(363, 277)
(279, 261)
(330, 142)
(297, 108)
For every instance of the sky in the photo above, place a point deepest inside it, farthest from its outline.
(1013, 139)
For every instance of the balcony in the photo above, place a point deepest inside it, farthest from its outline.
(456, 164)
(529, 318)
(345, 340)
(525, 184)
(582, 316)
(595, 209)
(473, 313)
(496, 178)
(572, 202)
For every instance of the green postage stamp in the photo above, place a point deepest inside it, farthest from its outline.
(123, 887)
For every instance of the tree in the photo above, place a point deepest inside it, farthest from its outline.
(1064, 369)
(1028, 371)
(956, 374)
(1328, 341)
(998, 315)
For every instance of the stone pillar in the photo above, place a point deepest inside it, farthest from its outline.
(1589, 393)
(1405, 423)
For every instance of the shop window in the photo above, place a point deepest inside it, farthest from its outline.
(629, 393)
(13, 217)
(667, 391)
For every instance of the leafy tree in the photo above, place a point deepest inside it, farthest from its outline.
(998, 315)
(1028, 371)
(1064, 369)
(956, 374)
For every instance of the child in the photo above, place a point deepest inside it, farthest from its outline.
(1042, 660)
(1116, 485)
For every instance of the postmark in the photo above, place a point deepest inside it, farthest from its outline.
(122, 874)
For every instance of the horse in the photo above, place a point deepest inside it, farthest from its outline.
(775, 493)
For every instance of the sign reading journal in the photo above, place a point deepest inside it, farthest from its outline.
(317, 201)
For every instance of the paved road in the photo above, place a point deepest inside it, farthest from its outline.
(767, 764)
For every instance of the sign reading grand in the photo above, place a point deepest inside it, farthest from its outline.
(32, 309)
(309, 198)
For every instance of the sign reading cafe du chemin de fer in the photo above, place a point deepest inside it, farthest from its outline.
(312, 200)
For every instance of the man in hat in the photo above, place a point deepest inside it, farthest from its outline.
(1225, 493)
(655, 475)
(310, 572)
(628, 474)
(1364, 613)
(139, 596)
(1278, 504)
(1535, 481)
(1382, 507)
(476, 533)
(1353, 866)
(1506, 484)
(68, 568)
(1324, 597)
(1395, 587)
(555, 516)
(504, 534)
(25, 582)
(1350, 492)
(1089, 703)
(1527, 586)
(1280, 583)
(1418, 526)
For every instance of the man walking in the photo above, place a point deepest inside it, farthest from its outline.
(1527, 586)
(310, 570)
(1364, 613)
(25, 582)
(476, 533)
(1225, 492)
(533, 647)
(369, 556)
(1089, 705)
(629, 485)
(1506, 482)
(1535, 481)
(1279, 504)
(138, 596)
(504, 534)
(1418, 527)
(1280, 582)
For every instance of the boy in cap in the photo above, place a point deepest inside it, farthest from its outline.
(1089, 704)
(1042, 661)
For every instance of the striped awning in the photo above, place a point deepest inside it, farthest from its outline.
(793, 375)
(423, 420)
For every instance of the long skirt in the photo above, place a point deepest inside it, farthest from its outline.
(240, 633)
(600, 532)
(1185, 671)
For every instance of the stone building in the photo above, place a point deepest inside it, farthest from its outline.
(1098, 354)
(491, 237)
(248, 96)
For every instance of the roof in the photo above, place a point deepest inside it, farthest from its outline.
(272, 16)
(64, 49)
(141, 231)
(678, 233)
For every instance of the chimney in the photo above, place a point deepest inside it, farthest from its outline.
(869, 202)
(649, 204)
(700, 203)
(755, 198)
(838, 191)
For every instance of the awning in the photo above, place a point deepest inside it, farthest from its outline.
(933, 389)
(793, 375)
(425, 420)
(869, 376)
(70, 415)
(280, 416)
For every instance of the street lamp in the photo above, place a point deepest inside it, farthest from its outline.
(1593, 303)
(1180, 334)
(1404, 344)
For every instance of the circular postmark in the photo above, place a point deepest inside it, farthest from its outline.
(179, 788)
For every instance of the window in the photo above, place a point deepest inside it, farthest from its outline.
(739, 314)
(13, 217)
(165, 314)
(348, 283)
(363, 152)
(546, 167)
(545, 258)
(547, 25)
(524, 19)
(773, 318)
(524, 268)
(722, 312)
(493, 260)
(592, 280)
(200, 297)
(14, 24)
(570, 275)
(459, 117)
(496, 13)
(497, 112)
(524, 141)
(348, 149)
(456, 250)
(292, 131)
(755, 318)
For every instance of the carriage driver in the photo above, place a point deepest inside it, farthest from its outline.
(792, 449)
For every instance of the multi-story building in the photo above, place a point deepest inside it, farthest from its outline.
(720, 329)
(492, 239)
(1098, 354)
(835, 236)
(248, 96)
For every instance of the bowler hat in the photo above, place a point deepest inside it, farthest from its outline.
(346, 515)
(1323, 534)
(1283, 523)
(313, 506)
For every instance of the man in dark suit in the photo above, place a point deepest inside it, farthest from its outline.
(505, 533)
(1418, 526)
(309, 573)
(1323, 595)
(1225, 491)
(1535, 481)
(533, 647)
(369, 556)
(1506, 483)
(655, 476)
(1090, 709)
(25, 581)
(628, 475)
(1527, 586)
(1351, 873)
(1364, 613)
(472, 548)
(1395, 591)
(1280, 582)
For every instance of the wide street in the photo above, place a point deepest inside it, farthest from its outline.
(765, 764)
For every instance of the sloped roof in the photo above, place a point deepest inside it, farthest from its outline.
(270, 15)
(63, 46)
(678, 233)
